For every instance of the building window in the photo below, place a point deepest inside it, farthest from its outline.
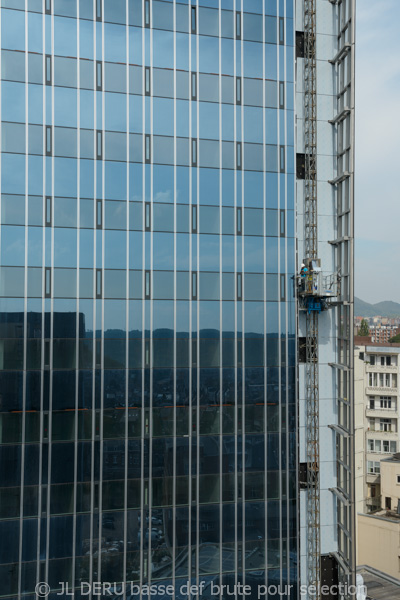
(194, 152)
(373, 467)
(385, 425)
(398, 479)
(238, 286)
(283, 288)
(147, 13)
(147, 216)
(47, 282)
(99, 283)
(147, 285)
(194, 285)
(281, 94)
(194, 218)
(238, 90)
(239, 221)
(300, 166)
(48, 69)
(372, 403)
(393, 447)
(238, 25)
(281, 31)
(48, 218)
(194, 85)
(299, 44)
(238, 155)
(49, 140)
(372, 359)
(147, 81)
(99, 75)
(99, 10)
(99, 145)
(282, 226)
(48, 7)
(147, 148)
(282, 159)
(99, 214)
(385, 402)
(193, 19)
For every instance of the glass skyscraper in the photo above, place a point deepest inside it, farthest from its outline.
(148, 428)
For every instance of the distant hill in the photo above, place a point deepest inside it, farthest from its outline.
(387, 308)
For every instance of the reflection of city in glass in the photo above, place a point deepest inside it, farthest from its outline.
(147, 354)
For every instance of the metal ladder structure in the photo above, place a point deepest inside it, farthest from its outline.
(311, 251)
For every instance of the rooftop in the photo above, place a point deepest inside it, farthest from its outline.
(379, 585)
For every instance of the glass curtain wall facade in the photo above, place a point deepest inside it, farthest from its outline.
(148, 428)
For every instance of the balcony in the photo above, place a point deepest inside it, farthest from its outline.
(381, 369)
(383, 413)
(385, 391)
(373, 478)
(373, 504)
(383, 435)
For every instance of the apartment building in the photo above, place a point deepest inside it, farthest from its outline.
(377, 416)
(379, 533)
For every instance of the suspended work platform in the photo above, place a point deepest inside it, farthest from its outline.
(316, 292)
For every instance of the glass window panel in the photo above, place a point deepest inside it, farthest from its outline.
(64, 36)
(163, 251)
(253, 287)
(209, 249)
(209, 120)
(114, 78)
(13, 101)
(13, 66)
(163, 150)
(115, 115)
(65, 71)
(163, 285)
(13, 29)
(182, 285)
(208, 87)
(209, 219)
(162, 15)
(114, 42)
(163, 49)
(115, 215)
(64, 283)
(163, 82)
(253, 221)
(163, 217)
(115, 11)
(227, 21)
(12, 249)
(114, 284)
(209, 286)
(208, 54)
(13, 210)
(208, 21)
(252, 27)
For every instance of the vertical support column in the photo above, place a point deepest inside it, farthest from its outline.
(344, 65)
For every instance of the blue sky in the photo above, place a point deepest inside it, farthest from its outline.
(377, 194)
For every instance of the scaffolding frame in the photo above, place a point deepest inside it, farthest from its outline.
(311, 251)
